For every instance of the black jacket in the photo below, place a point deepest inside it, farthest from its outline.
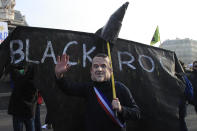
(24, 95)
(96, 118)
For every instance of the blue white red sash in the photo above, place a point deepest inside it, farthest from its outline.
(107, 108)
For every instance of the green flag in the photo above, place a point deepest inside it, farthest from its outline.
(156, 37)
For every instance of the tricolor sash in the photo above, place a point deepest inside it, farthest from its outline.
(107, 107)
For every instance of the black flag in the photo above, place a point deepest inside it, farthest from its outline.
(112, 28)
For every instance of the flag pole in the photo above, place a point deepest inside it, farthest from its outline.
(112, 76)
(110, 34)
(160, 38)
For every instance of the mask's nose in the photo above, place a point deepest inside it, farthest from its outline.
(99, 68)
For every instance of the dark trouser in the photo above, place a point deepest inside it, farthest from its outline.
(37, 119)
(182, 115)
(19, 121)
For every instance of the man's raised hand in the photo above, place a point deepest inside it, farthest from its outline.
(62, 65)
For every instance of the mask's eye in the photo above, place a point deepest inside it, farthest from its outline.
(95, 66)
(103, 66)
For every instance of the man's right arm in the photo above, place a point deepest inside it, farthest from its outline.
(68, 87)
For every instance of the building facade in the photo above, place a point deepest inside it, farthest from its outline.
(12, 17)
(185, 49)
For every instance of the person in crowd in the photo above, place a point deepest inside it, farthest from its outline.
(100, 105)
(186, 98)
(23, 100)
(193, 78)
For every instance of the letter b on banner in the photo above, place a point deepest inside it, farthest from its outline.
(17, 55)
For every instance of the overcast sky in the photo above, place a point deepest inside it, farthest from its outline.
(175, 18)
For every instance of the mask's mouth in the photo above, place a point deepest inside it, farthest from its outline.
(98, 73)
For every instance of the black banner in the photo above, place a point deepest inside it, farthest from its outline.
(147, 71)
